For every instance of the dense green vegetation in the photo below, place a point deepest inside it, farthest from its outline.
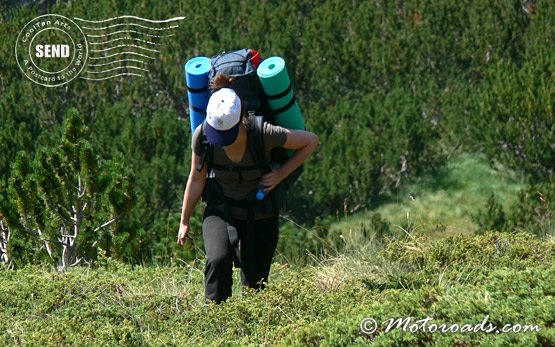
(393, 89)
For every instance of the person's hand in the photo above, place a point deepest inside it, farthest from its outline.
(184, 229)
(271, 180)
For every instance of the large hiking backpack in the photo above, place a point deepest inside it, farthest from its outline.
(242, 65)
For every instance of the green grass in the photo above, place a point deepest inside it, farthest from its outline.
(442, 205)
(458, 278)
(453, 280)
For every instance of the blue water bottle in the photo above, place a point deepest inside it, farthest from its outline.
(260, 194)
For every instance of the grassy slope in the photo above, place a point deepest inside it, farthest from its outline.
(443, 205)
(454, 280)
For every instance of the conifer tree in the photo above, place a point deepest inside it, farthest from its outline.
(5, 235)
(65, 200)
(21, 208)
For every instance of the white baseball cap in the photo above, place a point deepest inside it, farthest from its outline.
(223, 116)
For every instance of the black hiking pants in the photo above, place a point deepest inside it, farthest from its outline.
(219, 253)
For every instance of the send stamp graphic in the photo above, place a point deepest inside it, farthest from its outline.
(52, 50)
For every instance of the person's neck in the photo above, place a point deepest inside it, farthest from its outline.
(241, 139)
(237, 149)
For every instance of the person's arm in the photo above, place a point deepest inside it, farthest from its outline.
(304, 143)
(193, 192)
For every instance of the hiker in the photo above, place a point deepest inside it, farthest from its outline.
(226, 218)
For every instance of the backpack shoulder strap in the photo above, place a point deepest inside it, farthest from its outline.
(207, 155)
(256, 143)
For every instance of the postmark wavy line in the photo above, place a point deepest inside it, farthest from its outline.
(130, 17)
(132, 24)
(124, 38)
(105, 78)
(118, 61)
(117, 68)
(128, 32)
(121, 53)
(120, 46)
